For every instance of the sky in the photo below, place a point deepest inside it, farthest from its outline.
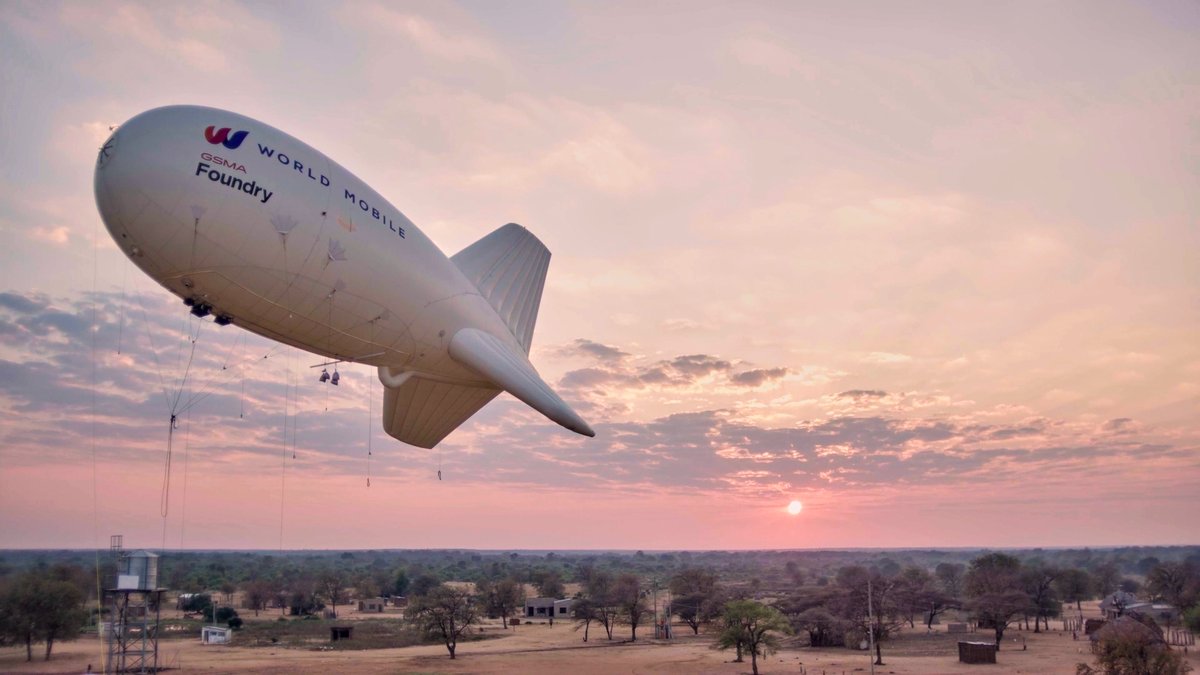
(929, 268)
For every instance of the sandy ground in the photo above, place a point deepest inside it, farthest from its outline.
(559, 648)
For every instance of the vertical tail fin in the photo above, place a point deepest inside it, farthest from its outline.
(508, 267)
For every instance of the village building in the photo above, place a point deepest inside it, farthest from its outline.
(215, 635)
(371, 605)
(547, 608)
(1121, 603)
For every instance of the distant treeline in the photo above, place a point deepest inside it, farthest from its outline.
(194, 571)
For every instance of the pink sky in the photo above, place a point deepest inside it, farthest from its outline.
(931, 270)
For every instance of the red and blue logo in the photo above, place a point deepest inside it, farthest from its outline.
(214, 135)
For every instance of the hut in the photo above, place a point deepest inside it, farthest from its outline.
(977, 652)
(340, 633)
(371, 605)
(215, 635)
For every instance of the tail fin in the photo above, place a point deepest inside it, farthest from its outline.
(509, 369)
(509, 268)
(422, 412)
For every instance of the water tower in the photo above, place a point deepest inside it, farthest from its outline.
(132, 631)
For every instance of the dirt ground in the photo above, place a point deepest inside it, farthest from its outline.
(560, 648)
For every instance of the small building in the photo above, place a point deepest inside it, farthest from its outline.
(340, 633)
(956, 628)
(548, 608)
(215, 635)
(562, 608)
(371, 605)
(1128, 628)
(976, 652)
(539, 608)
(1161, 612)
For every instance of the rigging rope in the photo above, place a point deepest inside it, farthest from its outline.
(95, 482)
(121, 308)
(187, 428)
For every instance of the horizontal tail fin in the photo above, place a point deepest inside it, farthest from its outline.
(504, 366)
(508, 267)
(422, 412)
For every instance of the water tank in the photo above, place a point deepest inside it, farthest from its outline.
(138, 571)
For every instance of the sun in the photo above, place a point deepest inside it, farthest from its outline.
(795, 507)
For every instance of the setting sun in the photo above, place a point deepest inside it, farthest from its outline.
(795, 507)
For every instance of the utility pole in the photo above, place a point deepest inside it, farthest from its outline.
(870, 627)
(655, 587)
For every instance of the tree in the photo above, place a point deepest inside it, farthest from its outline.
(196, 602)
(866, 601)
(502, 598)
(998, 610)
(423, 584)
(1107, 578)
(366, 587)
(1177, 583)
(331, 586)
(444, 613)
(992, 584)
(823, 628)
(40, 608)
(550, 585)
(1038, 583)
(914, 587)
(950, 576)
(583, 611)
(258, 593)
(400, 584)
(599, 592)
(228, 588)
(795, 572)
(627, 593)
(1074, 585)
(694, 594)
(754, 627)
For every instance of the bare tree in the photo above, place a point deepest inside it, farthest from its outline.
(501, 598)
(550, 585)
(1175, 582)
(992, 584)
(1107, 578)
(1074, 585)
(695, 596)
(599, 592)
(950, 576)
(583, 611)
(1038, 583)
(627, 591)
(867, 602)
(331, 585)
(444, 613)
(258, 594)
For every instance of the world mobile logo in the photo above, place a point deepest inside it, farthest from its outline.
(214, 136)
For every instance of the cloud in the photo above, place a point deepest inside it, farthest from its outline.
(58, 235)
(617, 370)
(596, 350)
(47, 399)
(757, 377)
(861, 394)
